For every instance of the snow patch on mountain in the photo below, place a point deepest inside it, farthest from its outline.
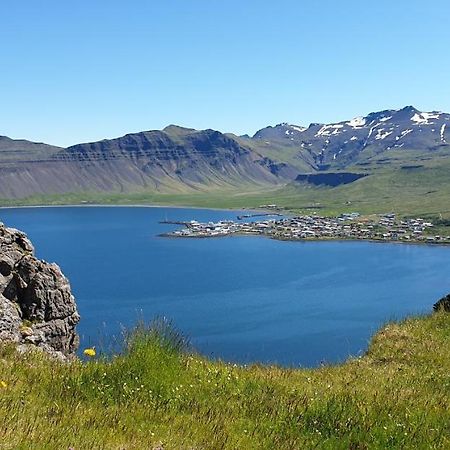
(297, 128)
(357, 122)
(371, 131)
(406, 132)
(430, 116)
(443, 133)
(382, 134)
(419, 119)
(328, 130)
(424, 118)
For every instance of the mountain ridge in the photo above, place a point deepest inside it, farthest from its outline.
(179, 159)
(170, 160)
(339, 144)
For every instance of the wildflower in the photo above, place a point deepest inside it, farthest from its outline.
(3, 384)
(89, 352)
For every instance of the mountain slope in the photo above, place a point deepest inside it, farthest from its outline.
(184, 161)
(363, 140)
(173, 160)
(21, 150)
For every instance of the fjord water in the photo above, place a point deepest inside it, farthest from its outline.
(242, 299)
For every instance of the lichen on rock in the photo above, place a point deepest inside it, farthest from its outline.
(37, 308)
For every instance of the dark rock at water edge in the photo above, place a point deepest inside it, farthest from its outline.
(443, 304)
(37, 308)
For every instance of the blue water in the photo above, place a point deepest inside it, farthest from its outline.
(242, 299)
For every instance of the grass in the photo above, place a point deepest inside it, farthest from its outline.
(156, 393)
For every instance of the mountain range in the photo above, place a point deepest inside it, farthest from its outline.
(180, 160)
(339, 145)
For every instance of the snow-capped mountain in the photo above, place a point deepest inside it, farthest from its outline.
(180, 159)
(340, 144)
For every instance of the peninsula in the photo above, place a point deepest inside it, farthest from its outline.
(385, 227)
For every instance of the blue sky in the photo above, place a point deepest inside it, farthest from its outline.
(86, 70)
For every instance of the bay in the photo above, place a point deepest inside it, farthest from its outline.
(241, 299)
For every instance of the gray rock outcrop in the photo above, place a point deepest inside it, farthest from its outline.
(443, 304)
(37, 308)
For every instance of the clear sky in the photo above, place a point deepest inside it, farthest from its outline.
(77, 71)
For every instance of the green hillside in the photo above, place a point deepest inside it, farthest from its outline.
(158, 396)
(416, 188)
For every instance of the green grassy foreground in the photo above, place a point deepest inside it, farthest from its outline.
(396, 396)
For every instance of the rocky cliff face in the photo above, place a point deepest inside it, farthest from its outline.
(37, 307)
(174, 160)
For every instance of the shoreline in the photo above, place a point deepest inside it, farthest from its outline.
(304, 241)
(134, 205)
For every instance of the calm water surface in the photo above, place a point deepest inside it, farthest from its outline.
(241, 299)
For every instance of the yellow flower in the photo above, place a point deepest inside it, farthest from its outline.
(3, 384)
(90, 352)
